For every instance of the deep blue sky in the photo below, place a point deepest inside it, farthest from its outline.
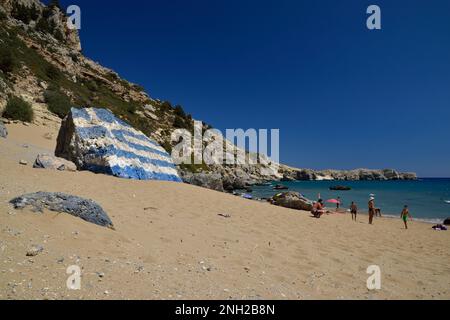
(343, 96)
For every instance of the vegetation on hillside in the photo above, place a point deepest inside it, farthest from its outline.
(46, 25)
(3, 15)
(57, 102)
(7, 60)
(24, 13)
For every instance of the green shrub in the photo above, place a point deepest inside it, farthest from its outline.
(180, 112)
(18, 109)
(57, 102)
(131, 108)
(3, 15)
(44, 25)
(23, 13)
(166, 106)
(53, 72)
(179, 123)
(139, 88)
(58, 35)
(54, 3)
(74, 57)
(7, 60)
(92, 85)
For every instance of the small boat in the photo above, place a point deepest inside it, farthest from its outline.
(447, 201)
(280, 187)
(340, 188)
(265, 184)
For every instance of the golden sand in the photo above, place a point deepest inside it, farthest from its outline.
(171, 243)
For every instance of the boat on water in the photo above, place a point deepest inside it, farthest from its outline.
(340, 188)
(280, 187)
(447, 201)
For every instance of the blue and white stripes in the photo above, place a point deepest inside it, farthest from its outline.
(111, 146)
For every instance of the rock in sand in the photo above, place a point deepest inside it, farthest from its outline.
(97, 141)
(35, 250)
(45, 161)
(292, 200)
(3, 130)
(85, 209)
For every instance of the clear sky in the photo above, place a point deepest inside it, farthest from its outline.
(342, 96)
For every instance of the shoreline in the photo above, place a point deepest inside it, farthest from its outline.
(364, 213)
(426, 200)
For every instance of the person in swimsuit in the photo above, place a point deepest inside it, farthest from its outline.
(371, 209)
(318, 209)
(354, 211)
(406, 216)
(338, 204)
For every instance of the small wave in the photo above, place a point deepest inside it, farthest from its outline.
(425, 220)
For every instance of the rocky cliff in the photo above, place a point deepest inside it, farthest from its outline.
(42, 63)
(346, 175)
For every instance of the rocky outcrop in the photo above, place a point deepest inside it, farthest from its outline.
(85, 209)
(305, 175)
(45, 161)
(290, 173)
(3, 130)
(347, 175)
(239, 178)
(292, 200)
(95, 140)
(447, 222)
(408, 176)
(211, 181)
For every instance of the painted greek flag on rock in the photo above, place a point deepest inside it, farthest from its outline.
(95, 140)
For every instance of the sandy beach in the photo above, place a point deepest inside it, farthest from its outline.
(170, 242)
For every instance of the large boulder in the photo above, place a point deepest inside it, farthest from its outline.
(211, 181)
(45, 161)
(292, 200)
(3, 130)
(95, 140)
(85, 209)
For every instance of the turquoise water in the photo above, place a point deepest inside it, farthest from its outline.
(425, 197)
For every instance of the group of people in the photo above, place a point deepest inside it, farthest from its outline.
(319, 210)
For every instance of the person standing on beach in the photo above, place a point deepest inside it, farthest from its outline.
(338, 204)
(371, 209)
(405, 216)
(354, 211)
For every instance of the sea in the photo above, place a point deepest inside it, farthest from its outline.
(426, 198)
